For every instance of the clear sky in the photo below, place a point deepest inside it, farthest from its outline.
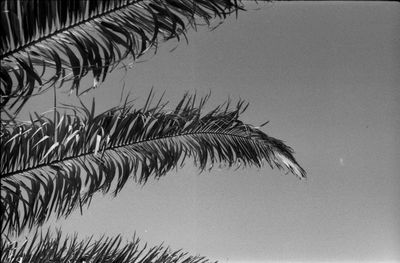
(326, 76)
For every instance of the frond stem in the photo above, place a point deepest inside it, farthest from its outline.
(121, 146)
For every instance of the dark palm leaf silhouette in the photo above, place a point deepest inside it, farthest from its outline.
(56, 249)
(44, 173)
(45, 43)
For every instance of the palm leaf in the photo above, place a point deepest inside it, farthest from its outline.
(47, 248)
(40, 176)
(45, 42)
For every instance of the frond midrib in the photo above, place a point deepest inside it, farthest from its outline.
(59, 31)
(227, 134)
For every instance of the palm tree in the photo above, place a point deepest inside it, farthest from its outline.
(51, 166)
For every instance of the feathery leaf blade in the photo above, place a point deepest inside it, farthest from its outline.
(119, 144)
(79, 37)
(48, 247)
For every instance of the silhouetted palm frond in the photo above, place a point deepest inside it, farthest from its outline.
(45, 42)
(54, 167)
(45, 248)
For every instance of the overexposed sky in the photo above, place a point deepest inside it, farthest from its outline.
(326, 76)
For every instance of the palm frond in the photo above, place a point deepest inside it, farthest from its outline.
(40, 176)
(44, 43)
(45, 248)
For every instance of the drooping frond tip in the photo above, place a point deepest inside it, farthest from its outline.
(44, 43)
(99, 153)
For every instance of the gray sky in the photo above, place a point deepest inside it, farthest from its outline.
(327, 78)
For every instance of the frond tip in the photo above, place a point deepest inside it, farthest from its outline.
(99, 153)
